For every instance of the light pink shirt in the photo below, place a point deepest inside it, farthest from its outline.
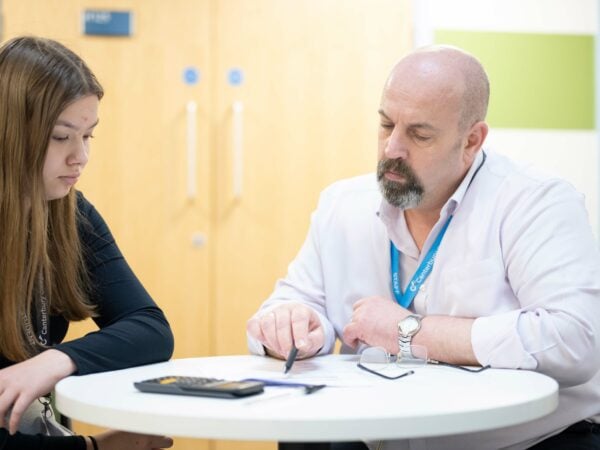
(519, 256)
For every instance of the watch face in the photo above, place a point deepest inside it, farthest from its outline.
(409, 326)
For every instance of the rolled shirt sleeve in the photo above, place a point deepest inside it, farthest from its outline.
(519, 258)
(552, 266)
(303, 284)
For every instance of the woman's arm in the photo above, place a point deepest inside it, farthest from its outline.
(133, 329)
(21, 384)
(20, 441)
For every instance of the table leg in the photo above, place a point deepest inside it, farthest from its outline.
(303, 446)
(322, 446)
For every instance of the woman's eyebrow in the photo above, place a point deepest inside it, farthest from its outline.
(66, 123)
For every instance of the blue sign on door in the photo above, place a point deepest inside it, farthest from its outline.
(107, 23)
(235, 77)
(191, 75)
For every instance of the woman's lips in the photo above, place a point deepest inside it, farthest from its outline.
(70, 179)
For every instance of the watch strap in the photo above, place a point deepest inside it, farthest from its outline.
(405, 340)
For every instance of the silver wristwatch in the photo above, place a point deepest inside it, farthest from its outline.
(407, 328)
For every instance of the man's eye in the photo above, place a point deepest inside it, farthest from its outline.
(418, 137)
(387, 126)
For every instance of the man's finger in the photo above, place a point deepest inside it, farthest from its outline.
(300, 318)
(253, 328)
(269, 331)
(316, 340)
(350, 335)
(283, 325)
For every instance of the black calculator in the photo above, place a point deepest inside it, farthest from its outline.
(200, 386)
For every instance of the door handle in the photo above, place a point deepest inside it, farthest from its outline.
(191, 108)
(238, 148)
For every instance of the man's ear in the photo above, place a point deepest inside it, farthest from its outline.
(475, 139)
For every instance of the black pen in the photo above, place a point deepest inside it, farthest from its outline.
(290, 359)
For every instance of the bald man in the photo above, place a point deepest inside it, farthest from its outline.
(453, 249)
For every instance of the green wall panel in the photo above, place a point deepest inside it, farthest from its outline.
(537, 80)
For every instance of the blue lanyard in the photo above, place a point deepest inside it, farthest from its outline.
(420, 275)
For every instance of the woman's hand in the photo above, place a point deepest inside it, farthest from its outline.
(22, 383)
(121, 440)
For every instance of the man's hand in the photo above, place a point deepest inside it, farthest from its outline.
(284, 325)
(375, 322)
(22, 383)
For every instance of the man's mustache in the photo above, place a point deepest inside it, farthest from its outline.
(397, 165)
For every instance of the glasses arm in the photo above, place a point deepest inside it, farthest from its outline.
(387, 377)
(456, 366)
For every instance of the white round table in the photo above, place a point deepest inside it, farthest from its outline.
(358, 406)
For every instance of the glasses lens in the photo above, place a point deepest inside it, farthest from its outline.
(376, 355)
(417, 358)
(377, 361)
(375, 358)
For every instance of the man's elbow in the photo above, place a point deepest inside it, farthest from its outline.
(572, 368)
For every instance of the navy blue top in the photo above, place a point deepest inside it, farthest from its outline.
(133, 330)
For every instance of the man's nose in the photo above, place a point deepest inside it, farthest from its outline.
(396, 146)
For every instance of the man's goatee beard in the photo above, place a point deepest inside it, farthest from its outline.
(403, 195)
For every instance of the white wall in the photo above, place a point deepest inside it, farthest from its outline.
(572, 154)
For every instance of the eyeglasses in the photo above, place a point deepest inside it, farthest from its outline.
(378, 361)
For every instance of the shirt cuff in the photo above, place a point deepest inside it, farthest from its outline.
(496, 342)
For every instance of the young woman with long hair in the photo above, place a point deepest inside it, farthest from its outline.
(58, 259)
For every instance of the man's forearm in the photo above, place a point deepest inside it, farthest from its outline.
(447, 339)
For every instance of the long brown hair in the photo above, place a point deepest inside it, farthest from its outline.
(39, 78)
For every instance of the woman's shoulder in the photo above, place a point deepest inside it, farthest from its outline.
(90, 222)
(87, 210)
(83, 204)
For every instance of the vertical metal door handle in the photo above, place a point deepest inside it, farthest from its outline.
(238, 149)
(191, 109)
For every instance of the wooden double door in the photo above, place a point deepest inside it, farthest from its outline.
(222, 121)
